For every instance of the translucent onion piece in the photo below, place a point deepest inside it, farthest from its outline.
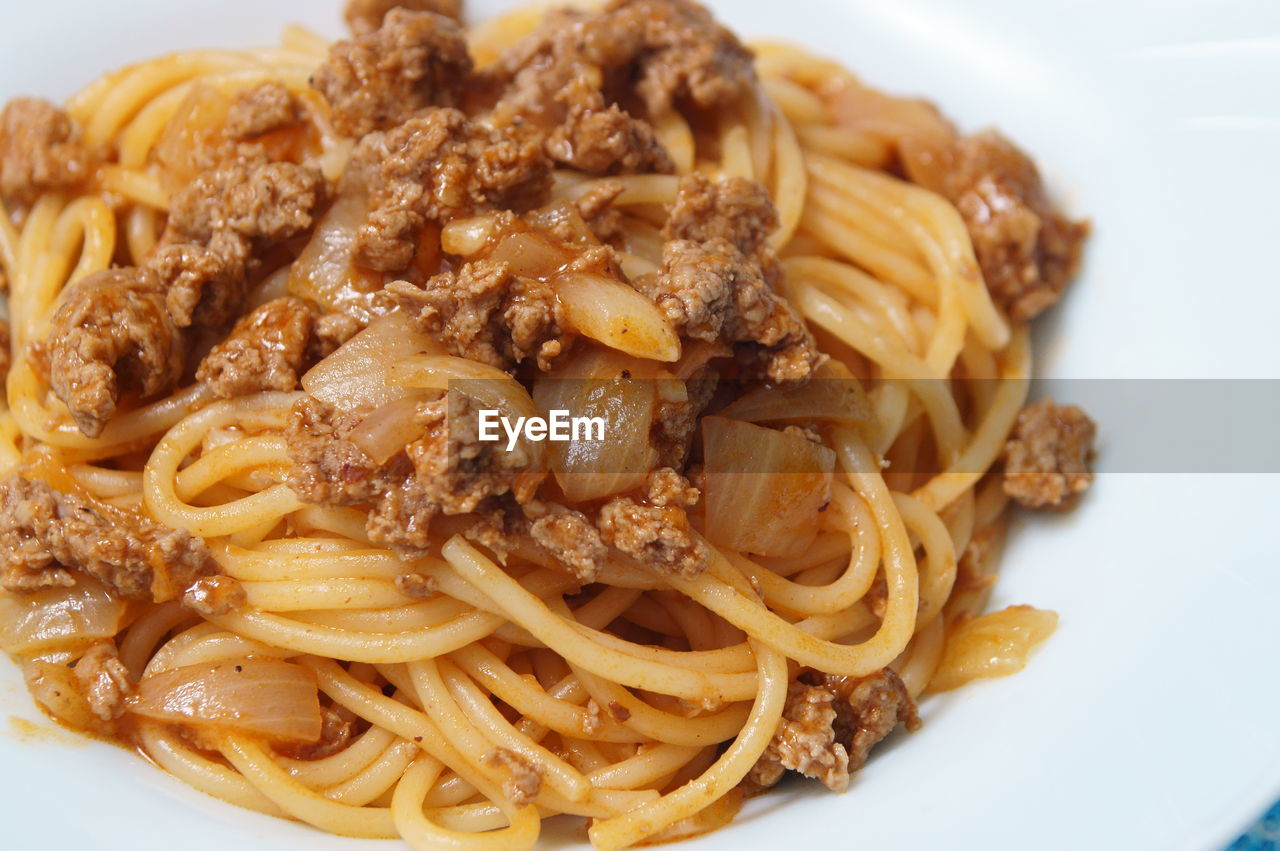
(614, 314)
(258, 697)
(54, 687)
(836, 399)
(387, 430)
(355, 376)
(58, 618)
(765, 490)
(197, 123)
(465, 237)
(325, 272)
(486, 384)
(530, 255)
(993, 645)
(590, 385)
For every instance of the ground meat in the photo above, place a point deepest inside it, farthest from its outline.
(1046, 459)
(437, 167)
(665, 51)
(330, 331)
(218, 222)
(265, 351)
(655, 531)
(365, 16)
(830, 724)
(736, 210)
(711, 291)
(328, 469)
(602, 139)
(45, 534)
(112, 333)
(596, 209)
(414, 60)
(484, 312)
(40, 150)
(260, 110)
(868, 709)
(415, 585)
(215, 595)
(104, 681)
(805, 742)
(204, 285)
(523, 776)
(1027, 249)
(264, 202)
(686, 54)
(572, 539)
(454, 472)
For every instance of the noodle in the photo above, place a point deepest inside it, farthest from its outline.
(641, 700)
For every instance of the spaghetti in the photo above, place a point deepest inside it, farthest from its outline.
(458, 687)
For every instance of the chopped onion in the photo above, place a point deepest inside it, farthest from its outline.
(614, 314)
(530, 254)
(993, 645)
(259, 697)
(198, 120)
(58, 618)
(825, 397)
(765, 490)
(466, 237)
(590, 384)
(326, 272)
(488, 385)
(53, 685)
(355, 376)
(387, 430)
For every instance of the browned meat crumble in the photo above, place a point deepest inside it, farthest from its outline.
(655, 530)
(830, 725)
(523, 776)
(449, 470)
(46, 534)
(570, 537)
(1046, 460)
(365, 16)
(40, 150)
(265, 351)
(204, 285)
(719, 277)
(218, 223)
(669, 51)
(454, 472)
(328, 468)
(437, 167)
(1027, 249)
(737, 210)
(104, 681)
(414, 60)
(262, 109)
(601, 138)
(112, 333)
(265, 203)
(485, 313)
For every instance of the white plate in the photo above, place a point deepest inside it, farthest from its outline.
(1149, 720)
